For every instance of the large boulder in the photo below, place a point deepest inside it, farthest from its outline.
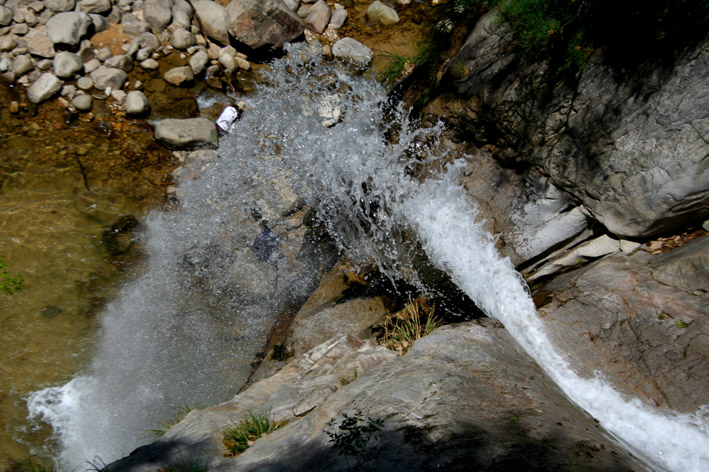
(643, 318)
(263, 24)
(158, 14)
(66, 64)
(44, 88)
(214, 19)
(630, 147)
(68, 27)
(442, 406)
(187, 133)
(108, 77)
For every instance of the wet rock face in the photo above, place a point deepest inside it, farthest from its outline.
(443, 405)
(632, 149)
(263, 24)
(641, 319)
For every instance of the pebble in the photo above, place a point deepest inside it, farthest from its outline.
(150, 64)
(85, 83)
(91, 65)
(103, 54)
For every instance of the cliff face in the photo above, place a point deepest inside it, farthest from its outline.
(630, 146)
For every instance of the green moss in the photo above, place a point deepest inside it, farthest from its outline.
(240, 435)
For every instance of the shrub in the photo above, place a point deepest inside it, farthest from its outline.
(241, 435)
(416, 321)
(353, 435)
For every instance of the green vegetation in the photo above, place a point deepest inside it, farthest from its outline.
(9, 283)
(352, 437)
(681, 324)
(181, 413)
(568, 31)
(242, 434)
(416, 321)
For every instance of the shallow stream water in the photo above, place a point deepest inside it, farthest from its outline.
(61, 185)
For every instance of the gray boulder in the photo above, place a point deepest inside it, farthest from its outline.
(179, 75)
(59, 5)
(134, 26)
(95, 6)
(158, 14)
(338, 18)
(22, 64)
(5, 15)
(187, 133)
(108, 77)
(214, 20)
(39, 44)
(377, 12)
(319, 17)
(351, 50)
(182, 39)
(100, 22)
(121, 61)
(263, 24)
(643, 317)
(198, 62)
(68, 27)
(182, 13)
(66, 64)
(136, 103)
(44, 88)
(8, 43)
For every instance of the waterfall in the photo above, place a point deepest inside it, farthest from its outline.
(185, 330)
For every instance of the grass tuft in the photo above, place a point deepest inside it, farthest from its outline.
(241, 435)
(414, 322)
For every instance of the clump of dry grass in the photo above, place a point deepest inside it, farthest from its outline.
(415, 321)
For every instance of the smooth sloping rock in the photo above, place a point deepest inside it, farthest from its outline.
(187, 133)
(108, 77)
(443, 406)
(263, 24)
(68, 27)
(379, 13)
(352, 50)
(136, 103)
(158, 14)
(44, 88)
(319, 17)
(215, 20)
(66, 64)
(641, 320)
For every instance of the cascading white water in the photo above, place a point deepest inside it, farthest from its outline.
(167, 340)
